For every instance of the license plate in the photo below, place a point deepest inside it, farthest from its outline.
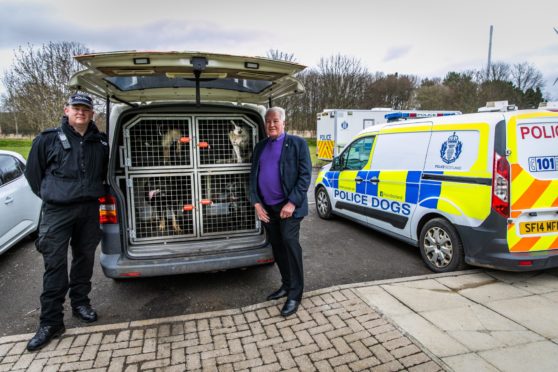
(538, 227)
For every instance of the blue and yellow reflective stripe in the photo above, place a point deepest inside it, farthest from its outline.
(331, 179)
(412, 190)
(416, 190)
(430, 192)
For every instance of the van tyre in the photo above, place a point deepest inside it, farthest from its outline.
(323, 204)
(440, 246)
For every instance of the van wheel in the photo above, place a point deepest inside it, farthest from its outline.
(323, 205)
(440, 246)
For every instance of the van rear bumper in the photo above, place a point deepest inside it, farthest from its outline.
(524, 261)
(487, 246)
(116, 266)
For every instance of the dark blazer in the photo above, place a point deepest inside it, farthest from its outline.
(296, 172)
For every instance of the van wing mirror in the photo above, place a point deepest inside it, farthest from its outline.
(335, 164)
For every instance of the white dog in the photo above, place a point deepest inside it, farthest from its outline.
(240, 140)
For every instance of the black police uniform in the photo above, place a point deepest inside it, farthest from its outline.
(67, 171)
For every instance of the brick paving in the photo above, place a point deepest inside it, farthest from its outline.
(333, 330)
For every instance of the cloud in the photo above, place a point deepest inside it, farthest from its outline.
(396, 53)
(30, 23)
(171, 34)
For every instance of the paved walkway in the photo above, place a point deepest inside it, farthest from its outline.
(465, 321)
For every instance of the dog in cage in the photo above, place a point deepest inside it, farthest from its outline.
(235, 197)
(164, 203)
(239, 136)
(171, 145)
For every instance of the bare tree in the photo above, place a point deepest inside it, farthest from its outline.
(280, 55)
(342, 82)
(499, 71)
(394, 91)
(525, 76)
(37, 83)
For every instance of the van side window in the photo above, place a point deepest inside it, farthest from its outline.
(356, 155)
(400, 151)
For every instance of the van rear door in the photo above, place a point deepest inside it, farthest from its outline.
(533, 145)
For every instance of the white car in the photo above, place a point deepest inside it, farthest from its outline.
(20, 209)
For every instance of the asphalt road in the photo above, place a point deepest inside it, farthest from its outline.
(335, 252)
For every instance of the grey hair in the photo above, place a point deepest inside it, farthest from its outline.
(277, 109)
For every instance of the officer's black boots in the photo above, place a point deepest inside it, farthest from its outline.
(85, 313)
(44, 335)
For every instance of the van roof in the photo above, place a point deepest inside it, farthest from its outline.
(489, 117)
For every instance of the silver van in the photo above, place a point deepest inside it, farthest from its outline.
(182, 126)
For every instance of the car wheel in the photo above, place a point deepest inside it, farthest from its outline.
(323, 204)
(440, 246)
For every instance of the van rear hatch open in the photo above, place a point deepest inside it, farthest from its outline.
(135, 76)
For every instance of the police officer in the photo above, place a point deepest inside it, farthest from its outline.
(66, 168)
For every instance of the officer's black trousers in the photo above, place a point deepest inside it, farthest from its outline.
(77, 225)
(284, 238)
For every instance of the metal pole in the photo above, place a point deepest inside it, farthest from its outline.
(489, 53)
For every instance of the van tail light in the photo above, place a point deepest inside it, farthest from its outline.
(107, 210)
(501, 186)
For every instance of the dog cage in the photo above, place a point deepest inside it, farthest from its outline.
(224, 141)
(158, 142)
(187, 177)
(225, 204)
(162, 205)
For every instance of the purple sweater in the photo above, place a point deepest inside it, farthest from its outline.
(269, 177)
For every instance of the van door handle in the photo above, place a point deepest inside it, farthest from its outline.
(358, 180)
(8, 200)
(374, 180)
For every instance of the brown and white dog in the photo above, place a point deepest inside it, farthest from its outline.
(162, 200)
(171, 143)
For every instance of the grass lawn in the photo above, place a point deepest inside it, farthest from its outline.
(19, 145)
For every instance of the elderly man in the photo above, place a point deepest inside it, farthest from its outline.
(280, 178)
(67, 168)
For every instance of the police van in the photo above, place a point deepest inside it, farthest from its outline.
(478, 189)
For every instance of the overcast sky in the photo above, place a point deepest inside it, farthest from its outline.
(426, 38)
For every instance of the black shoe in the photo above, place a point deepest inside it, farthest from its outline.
(44, 335)
(281, 292)
(85, 313)
(290, 307)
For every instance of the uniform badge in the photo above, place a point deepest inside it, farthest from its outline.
(451, 149)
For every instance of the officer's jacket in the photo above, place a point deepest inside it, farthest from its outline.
(295, 168)
(60, 175)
